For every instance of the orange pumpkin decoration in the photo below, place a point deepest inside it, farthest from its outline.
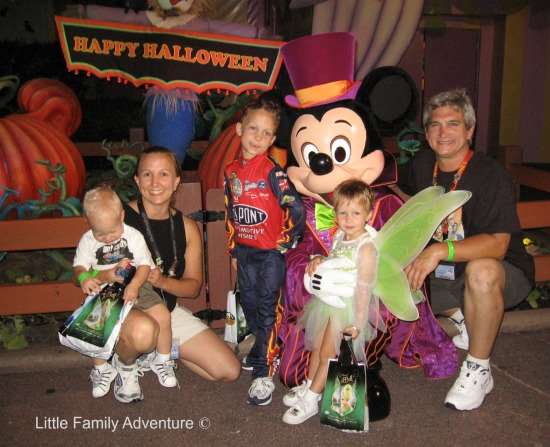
(222, 151)
(51, 101)
(23, 141)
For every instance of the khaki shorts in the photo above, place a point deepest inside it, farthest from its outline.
(147, 297)
(185, 325)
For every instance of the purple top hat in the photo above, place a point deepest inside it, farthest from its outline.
(321, 69)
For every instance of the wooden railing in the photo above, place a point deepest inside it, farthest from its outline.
(534, 214)
(65, 232)
(56, 233)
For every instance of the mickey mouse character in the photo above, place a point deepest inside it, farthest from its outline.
(336, 126)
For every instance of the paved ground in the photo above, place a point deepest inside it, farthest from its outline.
(35, 400)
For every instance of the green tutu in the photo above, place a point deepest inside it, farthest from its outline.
(314, 321)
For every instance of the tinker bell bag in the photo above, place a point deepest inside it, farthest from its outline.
(94, 327)
(344, 404)
(236, 328)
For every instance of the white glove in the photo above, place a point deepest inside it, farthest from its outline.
(329, 282)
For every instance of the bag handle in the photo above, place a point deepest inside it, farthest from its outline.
(347, 356)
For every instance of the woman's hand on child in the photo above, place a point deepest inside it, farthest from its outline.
(351, 331)
(313, 265)
(156, 278)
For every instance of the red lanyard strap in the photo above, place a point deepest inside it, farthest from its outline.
(458, 173)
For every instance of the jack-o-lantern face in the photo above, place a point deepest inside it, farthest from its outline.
(331, 150)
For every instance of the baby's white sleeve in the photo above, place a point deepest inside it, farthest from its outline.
(85, 253)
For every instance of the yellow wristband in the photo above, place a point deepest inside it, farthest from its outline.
(451, 251)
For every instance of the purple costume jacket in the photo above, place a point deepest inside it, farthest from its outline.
(410, 344)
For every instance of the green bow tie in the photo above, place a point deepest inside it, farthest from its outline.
(325, 218)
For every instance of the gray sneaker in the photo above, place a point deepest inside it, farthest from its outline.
(165, 372)
(127, 387)
(144, 361)
(260, 391)
(101, 380)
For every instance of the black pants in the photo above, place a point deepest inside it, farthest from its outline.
(260, 275)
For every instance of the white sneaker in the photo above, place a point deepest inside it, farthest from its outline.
(461, 340)
(144, 361)
(295, 394)
(127, 387)
(301, 411)
(102, 379)
(165, 372)
(261, 390)
(470, 388)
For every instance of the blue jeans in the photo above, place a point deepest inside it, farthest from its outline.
(260, 276)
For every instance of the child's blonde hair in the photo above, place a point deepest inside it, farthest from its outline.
(354, 190)
(101, 199)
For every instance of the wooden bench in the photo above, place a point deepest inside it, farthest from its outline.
(532, 214)
(56, 233)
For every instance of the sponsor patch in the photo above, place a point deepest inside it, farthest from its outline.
(248, 215)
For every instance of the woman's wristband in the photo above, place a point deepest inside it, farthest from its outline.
(87, 274)
(450, 251)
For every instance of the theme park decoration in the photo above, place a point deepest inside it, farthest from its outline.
(383, 29)
(35, 148)
(51, 101)
(176, 62)
(222, 151)
(145, 55)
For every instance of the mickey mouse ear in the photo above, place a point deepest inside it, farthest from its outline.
(391, 96)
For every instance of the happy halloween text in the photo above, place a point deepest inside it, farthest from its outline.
(151, 50)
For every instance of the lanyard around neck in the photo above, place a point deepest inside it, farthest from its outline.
(154, 246)
(458, 173)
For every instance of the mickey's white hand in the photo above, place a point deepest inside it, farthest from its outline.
(329, 282)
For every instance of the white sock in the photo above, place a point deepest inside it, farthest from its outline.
(457, 316)
(309, 382)
(161, 358)
(482, 362)
(102, 367)
(311, 396)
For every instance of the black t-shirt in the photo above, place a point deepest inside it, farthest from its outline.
(491, 209)
(161, 233)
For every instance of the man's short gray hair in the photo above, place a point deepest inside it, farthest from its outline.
(458, 99)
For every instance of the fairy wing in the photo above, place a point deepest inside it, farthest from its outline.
(401, 240)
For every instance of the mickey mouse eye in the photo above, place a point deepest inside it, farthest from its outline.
(340, 150)
(308, 151)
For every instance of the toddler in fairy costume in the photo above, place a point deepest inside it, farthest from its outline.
(364, 267)
(326, 317)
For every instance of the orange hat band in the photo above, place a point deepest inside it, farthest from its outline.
(322, 92)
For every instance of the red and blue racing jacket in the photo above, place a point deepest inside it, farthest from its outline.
(264, 210)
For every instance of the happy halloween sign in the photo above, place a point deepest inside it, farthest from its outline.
(169, 58)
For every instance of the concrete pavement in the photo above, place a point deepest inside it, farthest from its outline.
(41, 405)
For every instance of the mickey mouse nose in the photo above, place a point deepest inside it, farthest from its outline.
(321, 164)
